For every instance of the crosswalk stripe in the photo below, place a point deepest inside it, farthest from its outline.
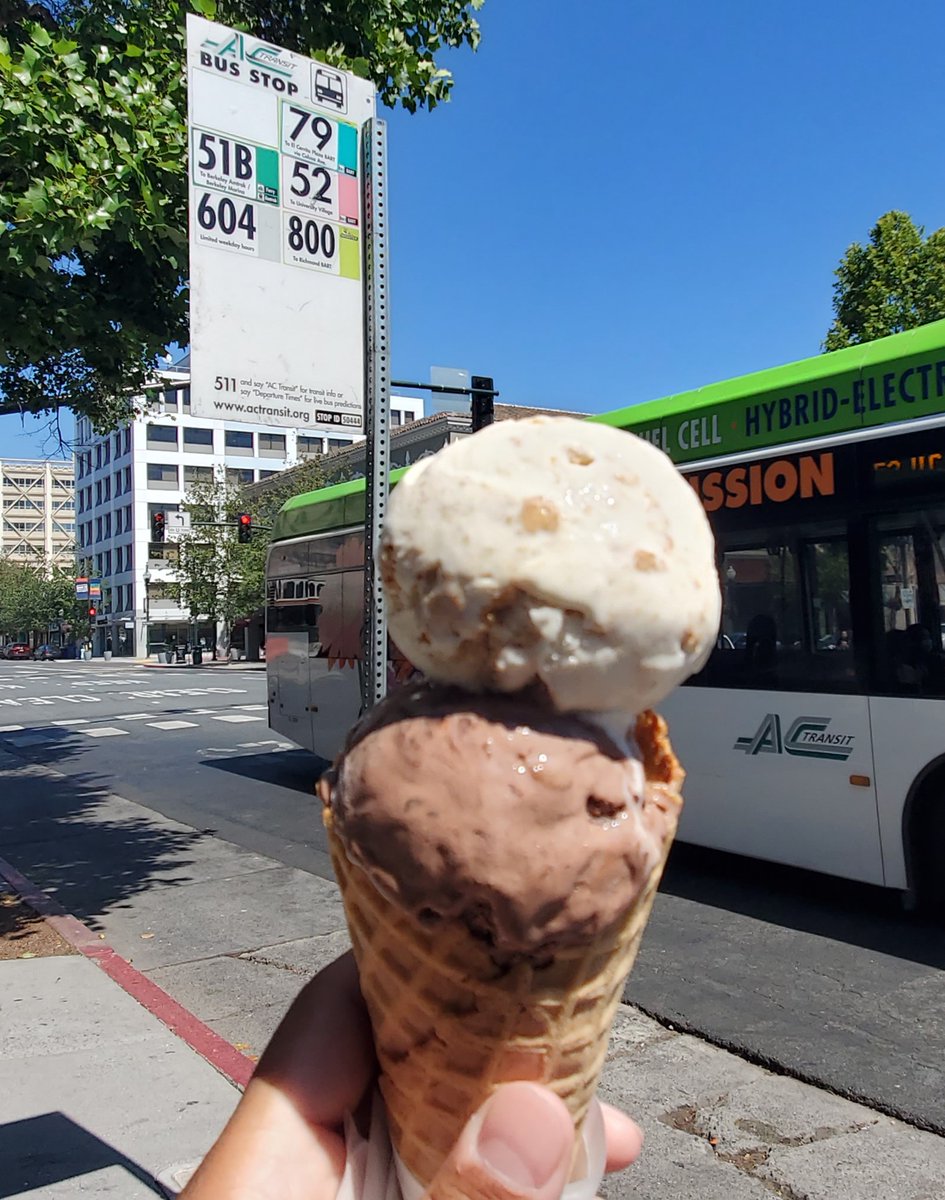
(234, 717)
(172, 724)
(106, 731)
(72, 721)
(10, 728)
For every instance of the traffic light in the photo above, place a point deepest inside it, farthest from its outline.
(244, 527)
(157, 527)
(483, 406)
(93, 611)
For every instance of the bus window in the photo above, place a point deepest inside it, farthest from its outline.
(786, 622)
(828, 575)
(911, 567)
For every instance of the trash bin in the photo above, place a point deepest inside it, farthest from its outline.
(198, 657)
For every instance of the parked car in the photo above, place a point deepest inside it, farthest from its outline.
(46, 653)
(19, 650)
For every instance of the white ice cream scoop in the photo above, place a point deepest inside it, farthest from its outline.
(553, 551)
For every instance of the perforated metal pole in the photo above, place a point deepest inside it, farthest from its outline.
(376, 404)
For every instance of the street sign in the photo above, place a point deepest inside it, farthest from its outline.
(95, 589)
(178, 522)
(82, 588)
(276, 233)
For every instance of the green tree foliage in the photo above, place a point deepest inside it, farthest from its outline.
(32, 599)
(222, 578)
(93, 154)
(895, 282)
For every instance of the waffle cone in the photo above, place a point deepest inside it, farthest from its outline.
(449, 1025)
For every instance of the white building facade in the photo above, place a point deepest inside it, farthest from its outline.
(123, 478)
(37, 518)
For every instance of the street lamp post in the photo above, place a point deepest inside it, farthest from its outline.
(147, 613)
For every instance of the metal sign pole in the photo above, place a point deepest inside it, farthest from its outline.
(377, 405)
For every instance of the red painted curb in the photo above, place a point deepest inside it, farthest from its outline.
(201, 1038)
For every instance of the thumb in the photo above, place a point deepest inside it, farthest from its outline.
(519, 1144)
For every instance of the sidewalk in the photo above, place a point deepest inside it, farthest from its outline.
(97, 1096)
(87, 1069)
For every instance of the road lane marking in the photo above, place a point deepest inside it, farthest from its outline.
(133, 717)
(253, 707)
(72, 721)
(234, 717)
(11, 728)
(106, 731)
(172, 725)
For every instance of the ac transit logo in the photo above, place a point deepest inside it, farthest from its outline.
(237, 48)
(807, 738)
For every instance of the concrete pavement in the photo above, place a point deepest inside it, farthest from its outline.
(231, 935)
(97, 1096)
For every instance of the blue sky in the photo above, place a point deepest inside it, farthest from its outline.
(624, 200)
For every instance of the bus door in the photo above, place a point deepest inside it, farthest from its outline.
(908, 707)
(774, 737)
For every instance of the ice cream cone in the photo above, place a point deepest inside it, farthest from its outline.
(450, 1024)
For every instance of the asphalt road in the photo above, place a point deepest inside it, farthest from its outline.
(826, 980)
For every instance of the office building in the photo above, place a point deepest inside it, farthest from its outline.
(123, 478)
(37, 511)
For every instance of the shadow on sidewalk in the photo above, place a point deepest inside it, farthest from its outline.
(88, 849)
(42, 1151)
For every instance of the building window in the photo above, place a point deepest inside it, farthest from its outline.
(98, 492)
(307, 446)
(238, 476)
(118, 519)
(117, 444)
(160, 436)
(395, 416)
(198, 474)
(98, 456)
(108, 490)
(108, 525)
(272, 445)
(162, 475)
(267, 474)
(128, 440)
(169, 400)
(106, 454)
(337, 443)
(118, 483)
(107, 566)
(160, 508)
(200, 440)
(408, 417)
(238, 441)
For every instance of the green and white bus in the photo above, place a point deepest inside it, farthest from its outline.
(815, 735)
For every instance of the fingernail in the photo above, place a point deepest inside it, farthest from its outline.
(526, 1135)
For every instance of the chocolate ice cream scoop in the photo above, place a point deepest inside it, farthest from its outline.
(535, 829)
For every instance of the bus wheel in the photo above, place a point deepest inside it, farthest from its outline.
(928, 856)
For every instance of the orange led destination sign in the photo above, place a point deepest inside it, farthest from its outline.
(775, 481)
